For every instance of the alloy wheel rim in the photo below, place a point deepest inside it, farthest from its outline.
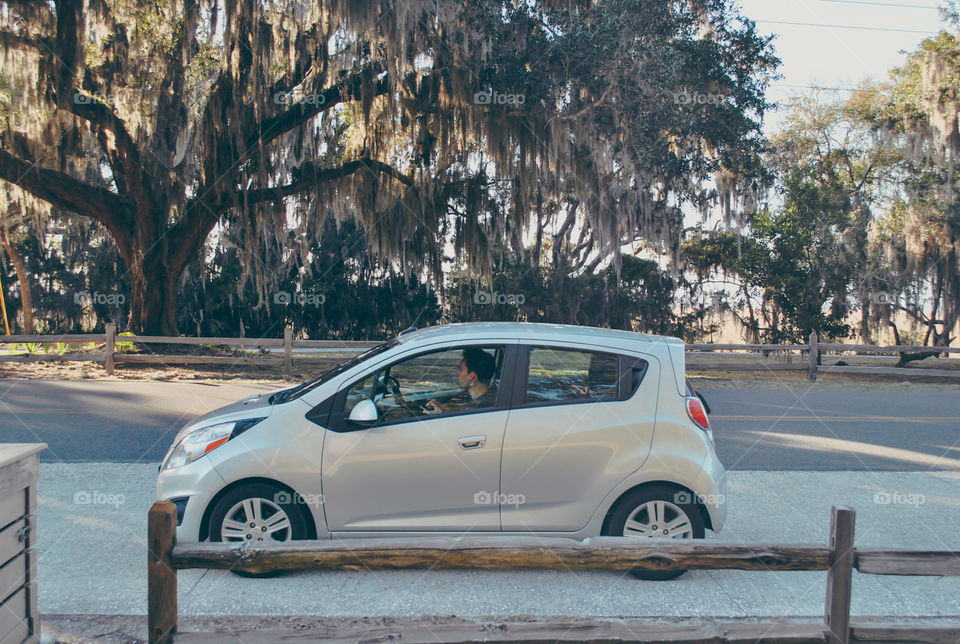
(658, 519)
(255, 520)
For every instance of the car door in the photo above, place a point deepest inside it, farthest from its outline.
(412, 470)
(582, 421)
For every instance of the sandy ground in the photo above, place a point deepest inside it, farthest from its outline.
(112, 629)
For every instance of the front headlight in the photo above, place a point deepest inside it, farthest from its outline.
(203, 440)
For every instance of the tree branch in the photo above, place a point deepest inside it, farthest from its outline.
(193, 227)
(311, 178)
(100, 114)
(350, 88)
(63, 191)
(10, 41)
(68, 49)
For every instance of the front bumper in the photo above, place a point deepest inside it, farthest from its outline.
(197, 483)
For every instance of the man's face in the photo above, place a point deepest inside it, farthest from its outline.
(465, 377)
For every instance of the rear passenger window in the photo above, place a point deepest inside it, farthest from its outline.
(570, 375)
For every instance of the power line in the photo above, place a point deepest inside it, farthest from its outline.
(815, 24)
(884, 4)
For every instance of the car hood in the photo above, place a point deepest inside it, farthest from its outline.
(255, 406)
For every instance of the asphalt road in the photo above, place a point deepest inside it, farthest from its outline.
(772, 430)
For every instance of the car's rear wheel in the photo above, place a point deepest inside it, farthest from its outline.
(656, 511)
(258, 513)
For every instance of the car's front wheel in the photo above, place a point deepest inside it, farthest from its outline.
(259, 514)
(656, 511)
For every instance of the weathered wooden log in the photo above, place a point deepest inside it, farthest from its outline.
(493, 553)
(929, 632)
(746, 347)
(745, 366)
(54, 338)
(879, 561)
(840, 576)
(695, 631)
(161, 575)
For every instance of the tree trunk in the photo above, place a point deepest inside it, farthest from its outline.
(153, 297)
(25, 299)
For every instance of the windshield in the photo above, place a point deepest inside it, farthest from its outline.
(301, 389)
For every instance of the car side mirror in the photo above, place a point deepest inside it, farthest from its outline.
(364, 412)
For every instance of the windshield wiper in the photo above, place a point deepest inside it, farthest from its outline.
(284, 396)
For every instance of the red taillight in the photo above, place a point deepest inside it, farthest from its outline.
(697, 413)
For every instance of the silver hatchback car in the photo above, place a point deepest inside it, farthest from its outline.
(486, 428)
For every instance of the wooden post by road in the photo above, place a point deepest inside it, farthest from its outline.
(161, 575)
(840, 576)
(812, 357)
(109, 348)
(288, 351)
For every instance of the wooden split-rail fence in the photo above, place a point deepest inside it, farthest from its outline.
(839, 558)
(282, 351)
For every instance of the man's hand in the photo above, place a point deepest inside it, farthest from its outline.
(433, 407)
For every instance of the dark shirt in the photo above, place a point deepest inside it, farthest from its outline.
(463, 400)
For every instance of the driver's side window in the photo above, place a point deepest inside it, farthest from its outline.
(432, 383)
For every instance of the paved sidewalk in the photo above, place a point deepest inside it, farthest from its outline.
(92, 532)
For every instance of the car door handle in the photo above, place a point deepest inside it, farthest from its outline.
(472, 442)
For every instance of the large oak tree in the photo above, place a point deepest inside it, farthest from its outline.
(428, 121)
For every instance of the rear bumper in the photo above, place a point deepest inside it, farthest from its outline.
(711, 490)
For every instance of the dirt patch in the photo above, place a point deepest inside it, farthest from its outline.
(132, 629)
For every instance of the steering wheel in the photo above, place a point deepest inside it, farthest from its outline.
(394, 386)
(380, 389)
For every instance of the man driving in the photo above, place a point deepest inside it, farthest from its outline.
(474, 373)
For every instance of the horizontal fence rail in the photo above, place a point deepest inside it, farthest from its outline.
(703, 631)
(839, 558)
(327, 351)
(595, 553)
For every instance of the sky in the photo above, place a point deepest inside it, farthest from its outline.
(865, 39)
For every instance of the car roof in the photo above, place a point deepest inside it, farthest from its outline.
(531, 330)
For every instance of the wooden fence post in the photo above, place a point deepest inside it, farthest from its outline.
(109, 348)
(161, 575)
(288, 351)
(812, 357)
(840, 575)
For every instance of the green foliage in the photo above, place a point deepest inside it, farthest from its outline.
(29, 347)
(640, 299)
(124, 347)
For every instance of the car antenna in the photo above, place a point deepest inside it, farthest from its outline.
(413, 327)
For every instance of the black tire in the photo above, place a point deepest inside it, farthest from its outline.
(271, 500)
(677, 500)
